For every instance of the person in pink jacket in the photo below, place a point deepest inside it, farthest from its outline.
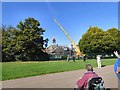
(82, 83)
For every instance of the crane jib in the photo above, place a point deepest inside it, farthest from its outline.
(76, 47)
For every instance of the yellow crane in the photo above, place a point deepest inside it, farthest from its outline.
(73, 43)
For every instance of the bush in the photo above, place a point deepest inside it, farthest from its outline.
(64, 57)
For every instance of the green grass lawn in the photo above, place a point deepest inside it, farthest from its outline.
(13, 70)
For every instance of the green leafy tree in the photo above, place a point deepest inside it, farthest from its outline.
(8, 44)
(0, 44)
(115, 33)
(31, 40)
(25, 43)
(108, 43)
(97, 41)
(0, 35)
(89, 43)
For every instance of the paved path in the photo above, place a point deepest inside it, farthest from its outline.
(62, 80)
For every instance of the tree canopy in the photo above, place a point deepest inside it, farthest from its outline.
(24, 42)
(97, 41)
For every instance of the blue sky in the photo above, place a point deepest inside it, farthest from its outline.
(75, 17)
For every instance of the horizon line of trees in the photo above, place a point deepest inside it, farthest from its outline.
(25, 43)
(97, 41)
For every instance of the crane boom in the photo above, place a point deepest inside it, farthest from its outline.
(76, 47)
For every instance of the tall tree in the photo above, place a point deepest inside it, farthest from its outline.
(8, 44)
(27, 42)
(89, 42)
(97, 41)
(31, 39)
(115, 33)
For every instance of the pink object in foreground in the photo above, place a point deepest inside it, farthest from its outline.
(84, 80)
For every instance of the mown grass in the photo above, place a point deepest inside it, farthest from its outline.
(14, 70)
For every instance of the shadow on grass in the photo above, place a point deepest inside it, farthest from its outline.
(103, 65)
